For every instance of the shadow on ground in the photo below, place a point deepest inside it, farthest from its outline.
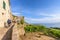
(8, 35)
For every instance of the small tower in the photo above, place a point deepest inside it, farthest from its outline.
(5, 12)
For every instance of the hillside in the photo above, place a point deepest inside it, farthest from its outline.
(36, 36)
(40, 32)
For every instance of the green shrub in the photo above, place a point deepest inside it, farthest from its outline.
(55, 32)
(22, 21)
(34, 28)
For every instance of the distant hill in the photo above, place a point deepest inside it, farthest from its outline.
(50, 24)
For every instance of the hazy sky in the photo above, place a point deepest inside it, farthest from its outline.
(37, 11)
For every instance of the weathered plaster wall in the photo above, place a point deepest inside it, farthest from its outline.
(4, 13)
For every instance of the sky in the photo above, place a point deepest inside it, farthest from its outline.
(37, 11)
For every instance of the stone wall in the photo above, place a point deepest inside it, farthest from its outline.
(15, 35)
(17, 32)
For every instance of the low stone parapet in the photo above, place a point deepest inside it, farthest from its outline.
(15, 35)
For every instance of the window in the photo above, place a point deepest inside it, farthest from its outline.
(2, 13)
(4, 5)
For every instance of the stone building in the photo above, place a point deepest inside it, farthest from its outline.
(5, 12)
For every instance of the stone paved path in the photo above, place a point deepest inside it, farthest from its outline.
(6, 33)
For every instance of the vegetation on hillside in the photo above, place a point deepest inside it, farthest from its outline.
(40, 28)
(34, 28)
(22, 20)
(55, 32)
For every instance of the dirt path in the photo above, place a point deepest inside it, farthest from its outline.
(36, 36)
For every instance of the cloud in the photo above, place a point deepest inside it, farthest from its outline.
(51, 15)
(43, 20)
(50, 18)
(16, 13)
